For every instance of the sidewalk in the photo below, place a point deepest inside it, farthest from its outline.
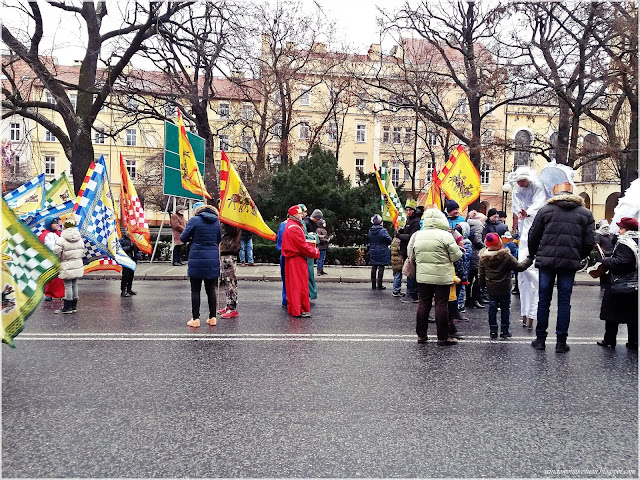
(265, 272)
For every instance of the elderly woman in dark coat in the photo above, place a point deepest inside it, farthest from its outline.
(620, 308)
(204, 233)
(379, 253)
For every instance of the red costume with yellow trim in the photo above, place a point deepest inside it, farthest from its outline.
(55, 287)
(296, 249)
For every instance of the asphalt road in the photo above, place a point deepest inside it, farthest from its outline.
(124, 389)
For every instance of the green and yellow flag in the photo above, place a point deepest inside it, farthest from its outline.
(58, 192)
(189, 173)
(27, 265)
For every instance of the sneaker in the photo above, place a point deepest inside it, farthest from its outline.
(605, 344)
(48, 299)
(456, 335)
(230, 314)
(477, 304)
(305, 314)
(212, 321)
(226, 309)
(382, 287)
(410, 300)
(125, 294)
(398, 294)
(447, 343)
(193, 323)
(251, 264)
(562, 348)
(462, 310)
(422, 339)
(131, 292)
(505, 335)
(493, 335)
(538, 344)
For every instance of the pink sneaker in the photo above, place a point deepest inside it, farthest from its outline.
(230, 314)
(223, 310)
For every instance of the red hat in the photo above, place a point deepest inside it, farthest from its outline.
(295, 210)
(492, 240)
(628, 223)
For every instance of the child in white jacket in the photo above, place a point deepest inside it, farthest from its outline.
(70, 248)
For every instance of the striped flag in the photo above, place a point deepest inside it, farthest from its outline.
(36, 221)
(96, 220)
(433, 195)
(459, 179)
(189, 172)
(388, 205)
(393, 196)
(132, 211)
(236, 206)
(27, 265)
(27, 198)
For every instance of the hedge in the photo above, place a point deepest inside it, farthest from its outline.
(335, 255)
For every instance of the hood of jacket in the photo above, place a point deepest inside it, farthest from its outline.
(568, 202)
(434, 218)
(209, 213)
(71, 234)
(474, 223)
(494, 258)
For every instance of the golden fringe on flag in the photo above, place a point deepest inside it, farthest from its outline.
(132, 212)
(189, 172)
(459, 179)
(236, 206)
(391, 208)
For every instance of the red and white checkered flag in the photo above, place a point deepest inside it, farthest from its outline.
(132, 212)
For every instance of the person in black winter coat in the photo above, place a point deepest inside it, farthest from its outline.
(379, 253)
(131, 249)
(562, 234)
(404, 234)
(620, 308)
(490, 226)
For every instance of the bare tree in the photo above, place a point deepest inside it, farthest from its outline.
(113, 48)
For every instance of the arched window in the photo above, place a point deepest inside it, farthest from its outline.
(590, 146)
(521, 157)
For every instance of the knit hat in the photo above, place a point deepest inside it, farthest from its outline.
(376, 219)
(197, 205)
(628, 223)
(51, 220)
(491, 212)
(295, 210)
(317, 214)
(411, 204)
(475, 215)
(303, 207)
(492, 240)
(450, 205)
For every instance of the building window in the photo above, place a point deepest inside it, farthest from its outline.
(386, 136)
(408, 135)
(223, 142)
(49, 137)
(223, 110)
(99, 136)
(304, 130)
(487, 137)
(361, 133)
(50, 98)
(169, 110)
(406, 173)
(462, 106)
(14, 129)
(301, 157)
(395, 174)
(522, 143)
(277, 130)
(50, 165)
(132, 167)
(433, 139)
(247, 112)
(332, 132)
(305, 97)
(397, 134)
(359, 165)
(247, 144)
(132, 139)
(429, 168)
(361, 104)
(488, 106)
(132, 103)
(485, 174)
(73, 98)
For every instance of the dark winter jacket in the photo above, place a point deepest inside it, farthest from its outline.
(310, 224)
(379, 241)
(130, 248)
(204, 232)
(475, 235)
(246, 235)
(605, 242)
(620, 308)
(495, 268)
(404, 234)
(230, 243)
(462, 266)
(323, 236)
(489, 228)
(562, 234)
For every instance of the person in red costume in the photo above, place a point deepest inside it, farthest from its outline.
(296, 248)
(55, 287)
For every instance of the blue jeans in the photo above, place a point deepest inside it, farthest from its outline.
(323, 255)
(504, 302)
(248, 246)
(397, 281)
(565, 287)
(412, 287)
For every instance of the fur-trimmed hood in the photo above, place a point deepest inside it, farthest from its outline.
(207, 212)
(566, 201)
(495, 257)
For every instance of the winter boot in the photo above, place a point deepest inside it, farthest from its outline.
(74, 305)
(561, 344)
(66, 308)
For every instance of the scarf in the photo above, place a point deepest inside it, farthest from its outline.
(603, 230)
(630, 239)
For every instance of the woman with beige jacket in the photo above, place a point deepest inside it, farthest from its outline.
(70, 248)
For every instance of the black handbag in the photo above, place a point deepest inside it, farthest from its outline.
(625, 283)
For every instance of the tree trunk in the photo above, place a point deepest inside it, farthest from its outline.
(629, 167)
(564, 128)
(81, 157)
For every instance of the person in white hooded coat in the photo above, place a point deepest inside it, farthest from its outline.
(70, 248)
(529, 195)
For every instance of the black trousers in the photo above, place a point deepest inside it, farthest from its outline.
(376, 278)
(210, 289)
(127, 279)
(441, 294)
(177, 254)
(473, 287)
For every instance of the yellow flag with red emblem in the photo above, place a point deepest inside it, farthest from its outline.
(459, 179)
